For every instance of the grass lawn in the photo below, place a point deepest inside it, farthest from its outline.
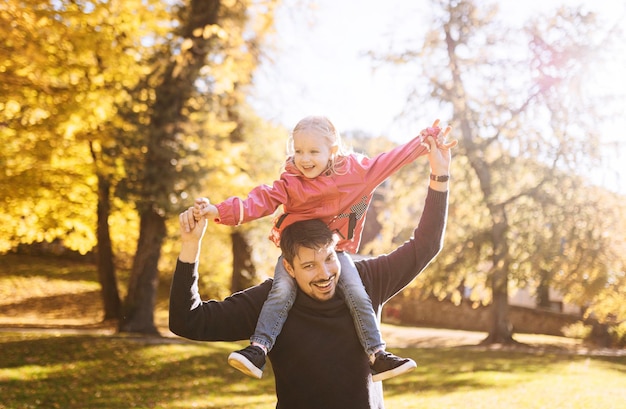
(57, 370)
(67, 367)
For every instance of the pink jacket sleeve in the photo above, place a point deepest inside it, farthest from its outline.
(381, 166)
(262, 201)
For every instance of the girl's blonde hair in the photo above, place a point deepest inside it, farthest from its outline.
(324, 127)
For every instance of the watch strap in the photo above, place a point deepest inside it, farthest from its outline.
(439, 178)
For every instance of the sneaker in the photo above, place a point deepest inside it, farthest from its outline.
(388, 365)
(250, 360)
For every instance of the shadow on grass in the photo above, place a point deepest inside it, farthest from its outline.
(117, 372)
(58, 306)
(48, 267)
(97, 371)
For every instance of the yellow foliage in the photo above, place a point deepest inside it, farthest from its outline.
(10, 108)
(68, 74)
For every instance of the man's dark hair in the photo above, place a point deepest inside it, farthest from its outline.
(313, 234)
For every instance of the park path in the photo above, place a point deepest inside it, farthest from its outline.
(394, 335)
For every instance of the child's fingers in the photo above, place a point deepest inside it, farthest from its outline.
(432, 143)
(207, 210)
(434, 130)
(202, 201)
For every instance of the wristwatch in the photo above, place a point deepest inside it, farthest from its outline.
(441, 178)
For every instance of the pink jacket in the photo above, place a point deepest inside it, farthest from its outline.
(340, 199)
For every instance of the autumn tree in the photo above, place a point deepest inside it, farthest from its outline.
(71, 65)
(110, 100)
(210, 57)
(110, 42)
(524, 113)
(44, 176)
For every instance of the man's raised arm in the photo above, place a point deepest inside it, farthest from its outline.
(388, 274)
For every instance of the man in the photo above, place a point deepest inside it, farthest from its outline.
(318, 361)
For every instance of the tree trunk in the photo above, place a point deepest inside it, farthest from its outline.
(141, 298)
(106, 267)
(244, 271)
(543, 290)
(159, 174)
(501, 331)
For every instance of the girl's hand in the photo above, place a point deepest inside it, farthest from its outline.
(432, 131)
(203, 208)
(439, 135)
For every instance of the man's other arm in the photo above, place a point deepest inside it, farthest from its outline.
(229, 320)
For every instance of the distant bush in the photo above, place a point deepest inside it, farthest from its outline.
(602, 335)
(577, 330)
(618, 334)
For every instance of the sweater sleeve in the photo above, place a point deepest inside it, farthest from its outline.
(386, 275)
(262, 201)
(232, 319)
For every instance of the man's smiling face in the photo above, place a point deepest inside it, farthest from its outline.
(316, 271)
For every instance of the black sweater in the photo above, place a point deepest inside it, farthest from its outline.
(318, 361)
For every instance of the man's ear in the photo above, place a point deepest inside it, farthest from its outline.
(289, 268)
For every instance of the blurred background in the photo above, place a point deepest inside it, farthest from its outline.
(115, 115)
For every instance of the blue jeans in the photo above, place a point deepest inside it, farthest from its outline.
(283, 294)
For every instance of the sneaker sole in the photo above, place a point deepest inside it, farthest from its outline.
(404, 368)
(242, 364)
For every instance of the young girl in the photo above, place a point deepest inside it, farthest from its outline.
(322, 180)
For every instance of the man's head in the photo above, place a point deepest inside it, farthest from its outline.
(309, 256)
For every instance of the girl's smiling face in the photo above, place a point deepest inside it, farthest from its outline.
(312, 153)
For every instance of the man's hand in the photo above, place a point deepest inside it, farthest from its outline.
(190, 228)
(191, 233)
(438, 135)
(439, 155)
